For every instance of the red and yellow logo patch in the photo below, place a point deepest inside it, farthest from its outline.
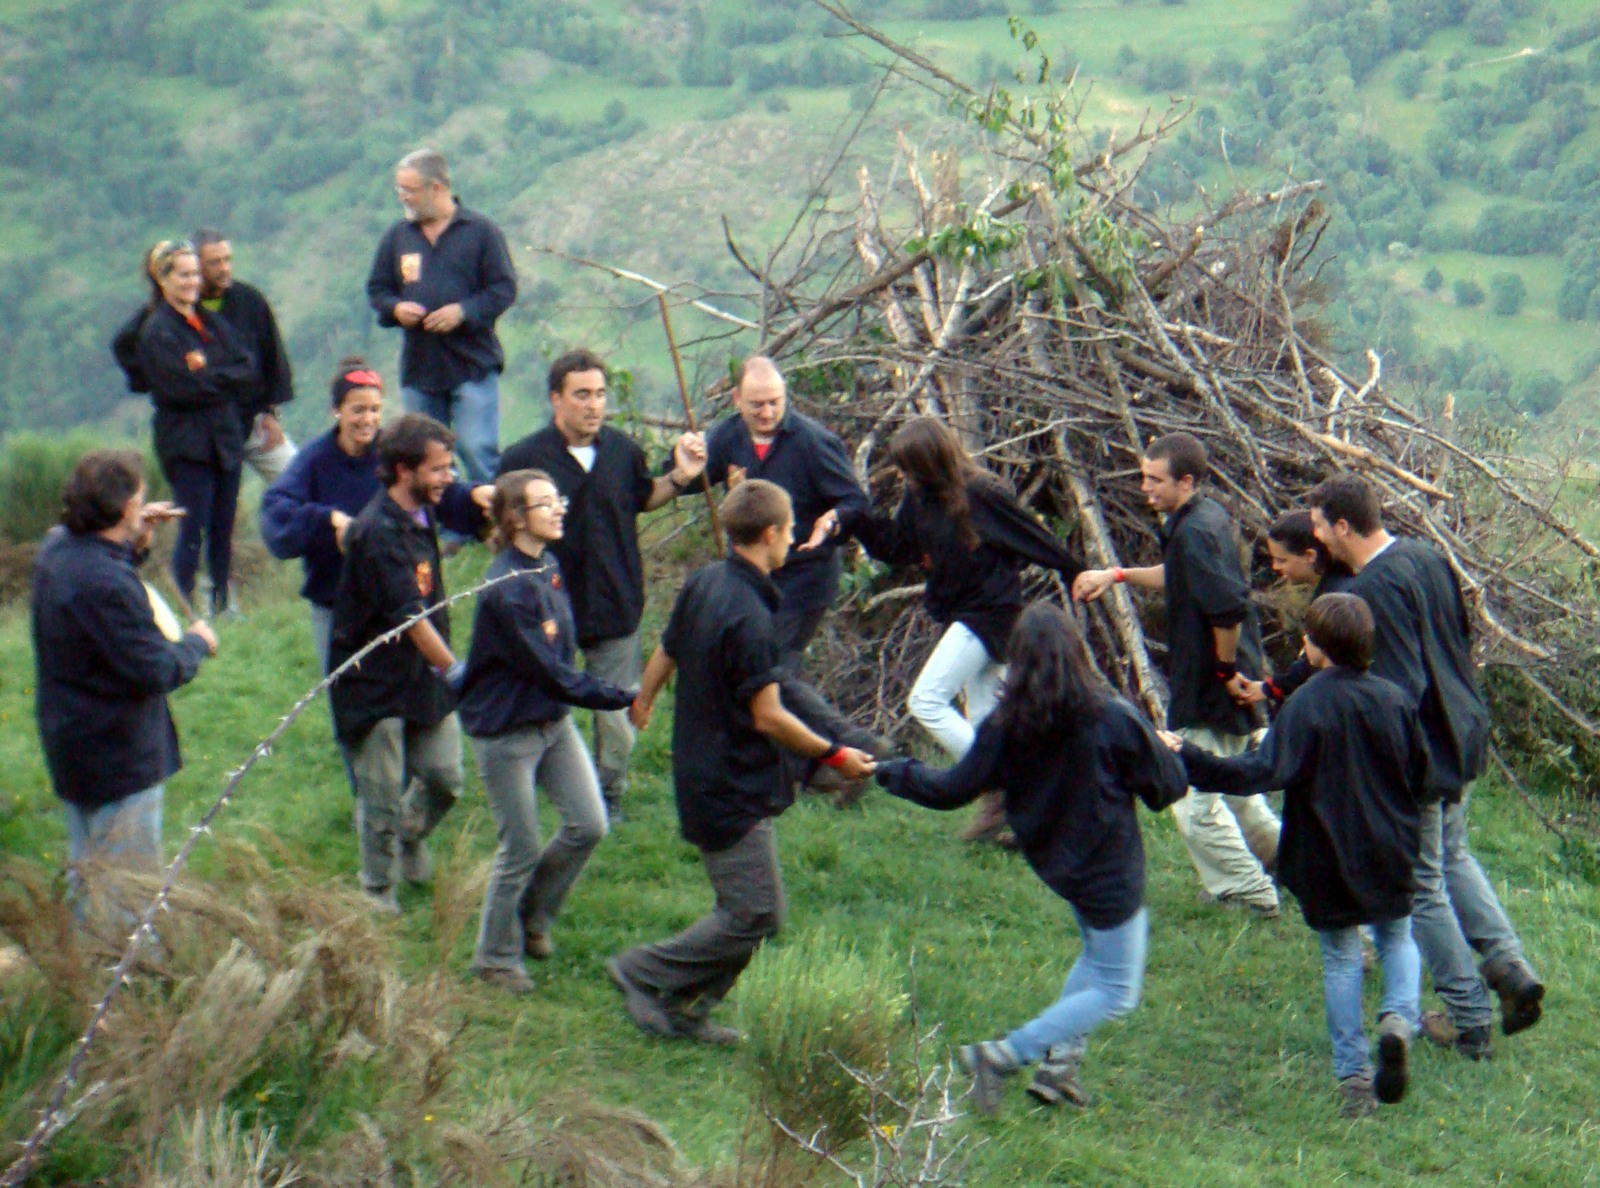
(195, 360)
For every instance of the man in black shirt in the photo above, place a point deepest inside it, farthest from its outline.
(1213, 646)
(1423, 644)
(444, 275)
(267, 449)
(607, 483)
(730, 732)
(395, 711)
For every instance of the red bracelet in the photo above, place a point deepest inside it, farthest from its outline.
(832, 757)
(1118, 576)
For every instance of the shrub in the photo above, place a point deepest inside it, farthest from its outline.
(808, 1008)
(1507, 293)
(1432, 280)
(1467, 293)
(33, 467)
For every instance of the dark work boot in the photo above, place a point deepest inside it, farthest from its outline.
(1521, 994)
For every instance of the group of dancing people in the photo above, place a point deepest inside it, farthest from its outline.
(1378, 728)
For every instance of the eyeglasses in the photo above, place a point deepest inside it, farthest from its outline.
(555, 503)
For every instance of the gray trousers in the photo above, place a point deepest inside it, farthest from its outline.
(694, 970)
(1438, 932)
(528, 884)
(407, 778)
(618, 661)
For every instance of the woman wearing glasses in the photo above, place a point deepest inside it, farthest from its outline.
(198, 372)
(519, 685)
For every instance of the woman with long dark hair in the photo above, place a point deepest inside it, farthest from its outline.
(520, 683)
(1300, 559)
(199, 373)
(1070, 757)
(965, 527)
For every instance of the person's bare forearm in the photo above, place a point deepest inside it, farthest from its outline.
(1147, 577)
(1225, 641)
(773, 719)
(657, 673)
(427, 640)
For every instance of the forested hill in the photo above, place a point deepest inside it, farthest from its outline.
(1458, 139)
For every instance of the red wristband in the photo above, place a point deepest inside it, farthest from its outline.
(1118, 576)
(832, 757)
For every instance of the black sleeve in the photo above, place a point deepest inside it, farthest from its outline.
(1396, 636)
(1147, 767)
(383, 289)
(383, 570)
(164, 354)
(276, 375)
(644, 483)
(672, 635)
(1283, 758)
(1215, 581)
(457, 511)
(892, 541)
(952, 787)
(497, 281)
(1007, 525)
(836, 483)
(119, 619)
(750, 659)
(542, 663)
(125, 350)
(1286, 682)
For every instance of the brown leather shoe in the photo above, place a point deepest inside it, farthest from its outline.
(537, 945)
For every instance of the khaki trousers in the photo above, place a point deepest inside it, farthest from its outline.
(1230, 838)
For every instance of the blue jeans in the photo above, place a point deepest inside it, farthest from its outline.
(472, 409)
(210, 497)
(1341, 987)
(126, 832)
(1104, 984)
(1483, 921)
(1438, 928)
(322, 642)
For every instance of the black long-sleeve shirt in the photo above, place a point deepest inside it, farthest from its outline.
(1068, 798)
(1335, 580)
(1206, 588)
(199, 381)
(1422, 642)
(245, 308)
(520, 669)
(1349, 755)
(470, 265)
(599, 552)
(808, 461)
(978, 587)
(104, 670)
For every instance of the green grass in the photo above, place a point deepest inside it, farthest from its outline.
(1220, 1078)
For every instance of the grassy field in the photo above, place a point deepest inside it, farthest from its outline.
(1221, 1078)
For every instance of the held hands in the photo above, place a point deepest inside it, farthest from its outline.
(444, 319)
(483, 496)
(639, 713)
(203, 629)
(1174, 741)
(1244, 691)
(410, 314)
(827, 526)
(341, 523)
(854, 764)
(1092, 583)
(271, 431)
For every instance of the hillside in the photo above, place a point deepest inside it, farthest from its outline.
(1457, 140)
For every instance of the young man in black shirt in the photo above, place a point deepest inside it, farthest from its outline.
(395, 711)
(444, 275)
(267, 449)
(1213, 647)
(1423, 644)
(731, 734)
(603, 475)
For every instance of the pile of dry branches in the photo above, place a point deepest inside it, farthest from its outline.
(1060, 326)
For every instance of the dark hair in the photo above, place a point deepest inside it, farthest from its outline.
(161, 259)
(204, 237)
(1341, 625)
(1350, 498)
(929, 454)
(752, 507)
(1052, 683)
(505, 512)
(1293, 531)
(98, 489)
(405, 443)
(1184, 454)
(579, 360)
(343, 385)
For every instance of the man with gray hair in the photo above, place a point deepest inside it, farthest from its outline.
(443, 274)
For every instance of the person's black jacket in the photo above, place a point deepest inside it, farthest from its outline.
(198, 383)
(1068, 798)
(599, 552)
(1205, 588)
(104, 670)
(981, 587)
(1423, 643)
(520, 669)
(469, 265)
(727, 776)
(391, 573)
(245, 308)
(808, 461)
(1350, 758)
(1280, 685)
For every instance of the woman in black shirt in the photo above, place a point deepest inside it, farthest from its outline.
(1070, 756)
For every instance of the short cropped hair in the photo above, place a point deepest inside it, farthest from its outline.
(204, 237)
(575, 361)
(98, 489)
(752, 507)
(405, 443)
(1183, 453)
(1350, 498)
(1341, 625)
(429, 164)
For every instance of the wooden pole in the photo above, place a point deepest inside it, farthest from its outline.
(688, 414)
